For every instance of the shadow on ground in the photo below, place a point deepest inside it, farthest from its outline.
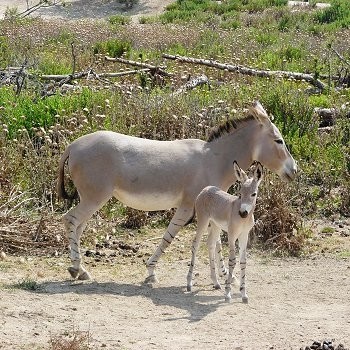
(197, 305)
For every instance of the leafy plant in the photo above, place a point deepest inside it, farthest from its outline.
(113, 47)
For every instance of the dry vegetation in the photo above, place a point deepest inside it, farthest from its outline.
(39, 117)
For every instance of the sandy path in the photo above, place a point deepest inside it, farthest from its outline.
(292, 303)
(93, 9)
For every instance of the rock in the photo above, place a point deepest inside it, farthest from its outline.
(90, 253)
(3, 256)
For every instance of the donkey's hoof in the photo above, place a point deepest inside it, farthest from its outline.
(73, 272)
(217, 286)
(245, 300)
(228, 299)
(189, 288)
(84, 276)
(151, 279)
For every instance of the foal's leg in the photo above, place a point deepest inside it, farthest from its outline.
(201, 227)
(214, 234)
(182, 216)
(212, 244)
(75, 221)
(243, 240)
(232, 237)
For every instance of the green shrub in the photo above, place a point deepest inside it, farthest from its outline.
(338, 13)
(113, 47)
(119, 20)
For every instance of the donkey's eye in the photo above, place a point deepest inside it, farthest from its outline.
(279, 141)
(254, 194)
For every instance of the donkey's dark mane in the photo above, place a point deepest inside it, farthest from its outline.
(227, 127)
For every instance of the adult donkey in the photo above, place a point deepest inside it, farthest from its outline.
(156, 175)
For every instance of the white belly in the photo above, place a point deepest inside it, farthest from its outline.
(150, 201)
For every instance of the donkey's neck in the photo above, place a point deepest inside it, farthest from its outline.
(236, 146)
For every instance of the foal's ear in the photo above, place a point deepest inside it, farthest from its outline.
(258, 172)
(239, 173)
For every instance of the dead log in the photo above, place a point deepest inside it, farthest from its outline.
(58, 77)
(248, 71)
(153, 69)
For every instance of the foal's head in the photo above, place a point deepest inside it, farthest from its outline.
(249, 188)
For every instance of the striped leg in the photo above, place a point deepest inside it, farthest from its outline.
(75, 222)
(231, 266)
(243, 240)
(179, 220)
(212, 242)
(201, 227)
(215, 231)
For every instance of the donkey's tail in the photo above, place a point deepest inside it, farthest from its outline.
(61, 191)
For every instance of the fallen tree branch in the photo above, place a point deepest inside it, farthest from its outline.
(340, 56)
(153, 69)
(58, 77)
(248, 71)
(40, 4)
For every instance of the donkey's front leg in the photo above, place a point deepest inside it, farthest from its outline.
(182, 216)
(243, 240)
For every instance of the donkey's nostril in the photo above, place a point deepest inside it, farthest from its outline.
(243, 213)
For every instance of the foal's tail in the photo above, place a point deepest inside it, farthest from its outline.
(60, 182)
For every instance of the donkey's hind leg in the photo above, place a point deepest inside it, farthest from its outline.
(75, 222)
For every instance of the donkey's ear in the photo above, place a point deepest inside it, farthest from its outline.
(240, 174)
(258, 172)
(259, 113)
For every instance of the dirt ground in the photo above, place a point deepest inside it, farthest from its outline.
(89, 9)
(292, 302)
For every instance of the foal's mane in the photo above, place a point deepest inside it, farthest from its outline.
(228, 126)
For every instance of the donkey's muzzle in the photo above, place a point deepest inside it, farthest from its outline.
(243, 214)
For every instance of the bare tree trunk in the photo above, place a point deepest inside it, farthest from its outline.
(249, 71)
(153, 69)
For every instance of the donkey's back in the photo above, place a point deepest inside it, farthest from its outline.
(141, 173)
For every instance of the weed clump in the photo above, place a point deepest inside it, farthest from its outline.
(279, 225)
(77, 340)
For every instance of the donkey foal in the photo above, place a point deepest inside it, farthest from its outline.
(233, 214)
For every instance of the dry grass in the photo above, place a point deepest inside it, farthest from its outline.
(279, 225)
(77, 340)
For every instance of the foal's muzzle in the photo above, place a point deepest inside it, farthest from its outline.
(243, 214)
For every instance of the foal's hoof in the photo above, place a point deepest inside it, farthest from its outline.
(73, 272)
(189, 288)
(84, 276)
(151, 279)
(228, 299)
(217, 286)
(245, 300)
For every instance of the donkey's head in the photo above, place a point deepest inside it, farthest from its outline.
(271, 150)
(249, 188)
